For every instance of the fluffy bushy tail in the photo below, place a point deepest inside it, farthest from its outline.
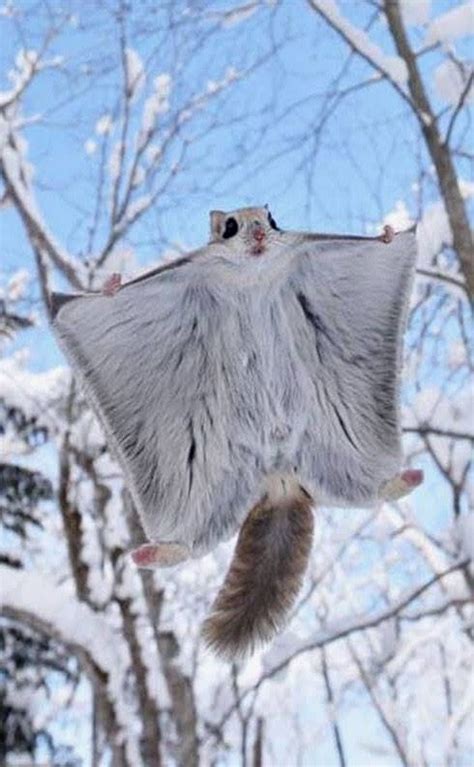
(266, 571)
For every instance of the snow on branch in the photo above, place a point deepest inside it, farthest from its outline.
(433, 233)
(346, 627)
(401, 524)
(14, 168)
(391, 67)
(415, 12)
(462, 711)
(453, 82)
(134, 72)
(60, 615)
(454, 24)
(32, 393)
(234, 16)
(150, 148)
(15, 172)
(27, 65)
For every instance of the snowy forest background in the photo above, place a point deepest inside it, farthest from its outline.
(121, 125)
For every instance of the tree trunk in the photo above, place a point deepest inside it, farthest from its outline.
(437, 148)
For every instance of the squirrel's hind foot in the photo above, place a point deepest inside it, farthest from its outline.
(401, 485)
(154, 555)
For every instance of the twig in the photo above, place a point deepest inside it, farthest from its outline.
(459, 106)
(330, 699)
(329, 636)
(427, 430)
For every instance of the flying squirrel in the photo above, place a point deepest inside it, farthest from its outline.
(269, 373)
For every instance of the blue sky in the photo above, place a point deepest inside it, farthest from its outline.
(367, 158)
(348, 191)
(371, 130)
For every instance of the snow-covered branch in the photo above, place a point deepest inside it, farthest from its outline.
(15, 170)
(27, 66)
(146, 105)
(451, 25)
(403, 74)
(60, 615)
(393, 68)
(15, 174)
(352, 625)
(145, 154)
(345, 628)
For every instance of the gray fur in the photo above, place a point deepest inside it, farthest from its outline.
(211, 376)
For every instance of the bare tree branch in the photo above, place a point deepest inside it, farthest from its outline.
(258, 744)
(417, 99)
(385, 718)
(442, 277)
(51, 619)
(346, 628)
(460, 104)
(330, 697)
(18, 190)
(425, 429)
(438, 149)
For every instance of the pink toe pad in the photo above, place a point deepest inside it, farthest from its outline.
(153, 555)
(413, 477)
(144, 556)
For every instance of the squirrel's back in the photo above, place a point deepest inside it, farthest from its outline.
(266, 571)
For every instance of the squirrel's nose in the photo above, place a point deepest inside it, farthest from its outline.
(258, 232)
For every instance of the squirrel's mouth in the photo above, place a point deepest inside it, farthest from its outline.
(257, 249)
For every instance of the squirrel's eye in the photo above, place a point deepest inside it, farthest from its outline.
(231, 228)
(272, 222)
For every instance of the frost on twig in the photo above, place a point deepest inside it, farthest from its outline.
(27, 65)
(140, 160)
(15, 170)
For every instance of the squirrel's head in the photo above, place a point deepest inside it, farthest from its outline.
(250, 232)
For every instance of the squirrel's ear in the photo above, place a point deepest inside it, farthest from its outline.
(217, 218)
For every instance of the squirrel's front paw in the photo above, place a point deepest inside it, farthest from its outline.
(388, 234)
(112, 285)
